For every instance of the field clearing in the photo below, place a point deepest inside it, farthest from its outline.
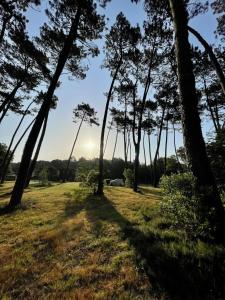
(65, 243)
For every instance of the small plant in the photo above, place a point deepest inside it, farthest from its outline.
(92, 180)
(129, 177)
(181, 204)
(43, 177)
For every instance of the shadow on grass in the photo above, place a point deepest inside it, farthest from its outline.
(173, 276)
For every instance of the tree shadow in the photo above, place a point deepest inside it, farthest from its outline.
(177, 277)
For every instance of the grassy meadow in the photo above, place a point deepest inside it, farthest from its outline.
(65, 243)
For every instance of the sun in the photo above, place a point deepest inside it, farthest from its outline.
(90, 145)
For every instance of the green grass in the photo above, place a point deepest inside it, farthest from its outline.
(64, 243)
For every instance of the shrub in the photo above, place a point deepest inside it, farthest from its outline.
(129, 177)
(182, 205)
(92, 180)
(43, 177)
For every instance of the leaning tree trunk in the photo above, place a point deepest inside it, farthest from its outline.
(212, 56)
(114, 150)
(101, 163)
(71, 153)
(5, 106)
(193, 138)
(107, 138)
(34, 160)
(13, 137)
(42, 114)
(10, 157)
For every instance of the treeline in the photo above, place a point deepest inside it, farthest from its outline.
(113, 169)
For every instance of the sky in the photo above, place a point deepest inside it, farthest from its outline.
(61, 130)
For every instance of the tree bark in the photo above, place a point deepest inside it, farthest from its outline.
(193, 138)
(212, 56)
(101, 155)
(43, 112)
(34, 160)
(71, 153)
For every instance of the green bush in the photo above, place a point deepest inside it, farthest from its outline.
(129, 177)
(182, 205)
(43, 177)
(92, 180)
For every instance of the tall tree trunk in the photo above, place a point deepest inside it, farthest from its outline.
(10, 157)
(144, 149)
(158, 146)
(34, 160)
(13, 137)
(43, 112)
(71, 153)
(166, 146)
(150, 155)
(136, 167)
(212, 56)
(193, 138)
(114, 150)
(101, 155)
(137, 143)
(125, 145)
(107, 138)
(175, 146)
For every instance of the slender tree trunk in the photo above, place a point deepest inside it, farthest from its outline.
(13, 137)
(71, 153)
(166, 144)
(136, 167)
(212, 56)
(175, 146)
(130, 148)
(137, 144)
(114, 150)
(193, 138)
(101, 163)
(43, 112)
(144, 149)
(34, 160)
(158, 146)
(150, 155)
(107, 138)
(5, 106)
(125, 145)
(10, 157)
